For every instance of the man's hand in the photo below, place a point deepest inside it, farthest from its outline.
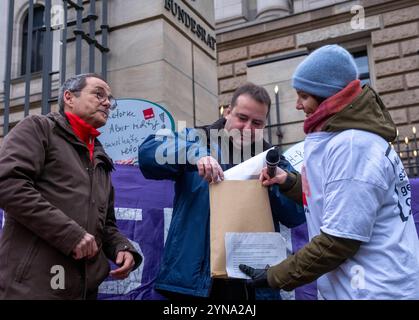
(87, 247)
(210, 170)
(279, 178)
(125, 260)
(259, 276)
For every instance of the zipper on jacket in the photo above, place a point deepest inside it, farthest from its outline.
(90, 170)
(92, 203)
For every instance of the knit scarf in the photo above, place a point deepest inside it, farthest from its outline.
(331, 106)
(84, 131)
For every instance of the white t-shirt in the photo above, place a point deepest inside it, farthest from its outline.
(356, 188)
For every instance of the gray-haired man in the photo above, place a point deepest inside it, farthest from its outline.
(59, 201)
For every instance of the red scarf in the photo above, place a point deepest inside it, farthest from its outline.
(331, 106)
(84, 131)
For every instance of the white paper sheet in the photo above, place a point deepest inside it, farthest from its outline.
(256, 249)
(249, 169)
(295, 155)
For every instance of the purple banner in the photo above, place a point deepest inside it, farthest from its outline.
(145, 228)
(299, 238)
(414, 183)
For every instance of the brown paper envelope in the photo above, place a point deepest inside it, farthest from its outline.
(236, 206)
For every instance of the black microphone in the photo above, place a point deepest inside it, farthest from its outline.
(272, 161)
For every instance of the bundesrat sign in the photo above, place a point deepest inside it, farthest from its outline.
(128, 126)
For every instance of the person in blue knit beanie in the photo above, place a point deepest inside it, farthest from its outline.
(356, 194)
(325, 72)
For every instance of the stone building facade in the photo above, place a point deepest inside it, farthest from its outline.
(156, 55)
(160, 50)
(264, 40)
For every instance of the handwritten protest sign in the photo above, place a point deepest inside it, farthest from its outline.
(129, 124)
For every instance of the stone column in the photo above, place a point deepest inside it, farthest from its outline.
(164, 51)
(230, 12)
(272, 8)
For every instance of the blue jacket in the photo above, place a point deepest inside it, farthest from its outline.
(185, 267)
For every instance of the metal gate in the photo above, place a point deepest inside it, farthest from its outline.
(84, 31)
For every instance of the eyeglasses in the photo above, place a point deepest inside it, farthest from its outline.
(102, 97)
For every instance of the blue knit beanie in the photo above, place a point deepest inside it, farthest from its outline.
(325, 72)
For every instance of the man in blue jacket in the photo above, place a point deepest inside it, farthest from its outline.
(185, 268)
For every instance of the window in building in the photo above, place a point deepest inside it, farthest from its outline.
(361, 60)
(37, 40)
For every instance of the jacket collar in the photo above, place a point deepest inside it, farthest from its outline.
(63, 128)
(366, 112)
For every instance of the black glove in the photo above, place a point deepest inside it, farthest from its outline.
(259, 276)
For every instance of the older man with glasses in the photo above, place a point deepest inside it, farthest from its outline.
(58, 197)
